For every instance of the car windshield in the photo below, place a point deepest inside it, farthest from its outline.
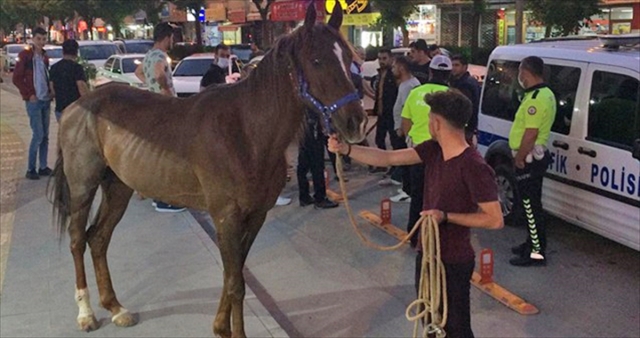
(14, 49)
(193, 67)
(138, 47)
(129, 65)
(98, 52)
(54, 53)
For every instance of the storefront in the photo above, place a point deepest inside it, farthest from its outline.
(421, 25)
(359, 17)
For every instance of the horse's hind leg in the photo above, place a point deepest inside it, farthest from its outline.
(82, 189)
(115, 198)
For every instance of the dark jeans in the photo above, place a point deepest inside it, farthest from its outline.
(458, 278)
(384, 127)
(529, 182)
(401, 173)
(311, 158)
(416, 191)
(38, 112)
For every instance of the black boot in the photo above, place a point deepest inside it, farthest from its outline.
(528, 261)
(521, 250)
(326, 204)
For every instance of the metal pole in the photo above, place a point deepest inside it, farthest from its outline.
(519, 20)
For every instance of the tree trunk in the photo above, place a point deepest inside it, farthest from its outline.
(90, 28)
(405, 36)
(198, 31)
(519, 20)
(547, 31)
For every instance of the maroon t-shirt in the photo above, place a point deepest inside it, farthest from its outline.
(456, 186)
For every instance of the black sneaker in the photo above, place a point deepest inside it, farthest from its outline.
(373, 170)
(326, 204)
(164, 207)
(527, 261)
(521, 250)
(45, 172)
(32, 175)
(306, 200)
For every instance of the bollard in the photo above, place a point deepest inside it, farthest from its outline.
(486, 266)
(385, 211)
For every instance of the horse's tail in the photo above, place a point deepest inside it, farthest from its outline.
(59, 195)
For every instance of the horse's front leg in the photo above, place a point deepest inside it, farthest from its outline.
(229, 228)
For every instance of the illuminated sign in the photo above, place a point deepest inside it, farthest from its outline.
(349, 6)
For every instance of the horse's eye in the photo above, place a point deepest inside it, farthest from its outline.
(316, 62)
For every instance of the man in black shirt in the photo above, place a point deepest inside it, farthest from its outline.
(67, 80)
(469, 86)
(421, 60)
(215, 75)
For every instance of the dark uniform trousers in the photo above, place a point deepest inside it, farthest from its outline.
(311, 158)
(529, 184)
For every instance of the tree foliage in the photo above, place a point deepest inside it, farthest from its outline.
(394, 14)
(193, 7)
(565, 17)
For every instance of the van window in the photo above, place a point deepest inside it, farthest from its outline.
(614, 109)
(503, 94)
(109, 64)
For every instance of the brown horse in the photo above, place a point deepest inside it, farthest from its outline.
(221, 151)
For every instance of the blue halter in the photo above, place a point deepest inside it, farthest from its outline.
(326, 111)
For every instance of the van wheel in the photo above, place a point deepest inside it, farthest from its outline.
(507, 192)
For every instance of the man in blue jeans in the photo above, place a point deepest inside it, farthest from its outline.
(31, 77)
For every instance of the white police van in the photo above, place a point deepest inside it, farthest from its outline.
(594, 180)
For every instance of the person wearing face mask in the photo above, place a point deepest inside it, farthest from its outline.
(223, 59)
(528, 139)
(460, 193)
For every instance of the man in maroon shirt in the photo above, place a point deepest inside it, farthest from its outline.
(459, 192)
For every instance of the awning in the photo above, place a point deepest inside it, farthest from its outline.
(231, 28)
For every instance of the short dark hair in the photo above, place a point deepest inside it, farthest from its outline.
(221, 46)
(39, 30)
(162, 31)
(412, 45)
(385, 50)
(70, 47)
(433, 47)
(421, 44)
(404, 62)
(534, 64)
(452, 105)
(438, 75)
(461, 58)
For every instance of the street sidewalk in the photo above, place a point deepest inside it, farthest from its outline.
(164, 267)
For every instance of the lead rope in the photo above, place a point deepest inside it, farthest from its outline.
(431, 307)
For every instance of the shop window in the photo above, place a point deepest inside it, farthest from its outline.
(502, 93)
(614, 110)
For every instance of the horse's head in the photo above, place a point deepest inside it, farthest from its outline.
(322, 60)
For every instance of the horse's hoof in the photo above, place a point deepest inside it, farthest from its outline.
(124, 319)
(222, 333)
(88, 323)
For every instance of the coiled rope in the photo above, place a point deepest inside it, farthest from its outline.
(431, 307)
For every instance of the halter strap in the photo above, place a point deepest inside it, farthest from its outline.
(326, 110)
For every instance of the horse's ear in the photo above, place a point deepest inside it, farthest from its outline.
(336, 16)
(310, 19)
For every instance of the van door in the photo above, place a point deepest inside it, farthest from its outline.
(608, 173)
(564, 78)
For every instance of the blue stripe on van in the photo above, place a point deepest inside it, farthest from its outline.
(485, 138)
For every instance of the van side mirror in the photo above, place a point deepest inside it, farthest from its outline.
(636, 149)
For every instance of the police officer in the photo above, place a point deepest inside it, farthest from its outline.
(527, 140)
(415, 124)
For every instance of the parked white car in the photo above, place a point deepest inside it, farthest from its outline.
(10, 55)
(121, 69)
(594, 178)
(189, 72)
(54, 53)
(97, 52)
